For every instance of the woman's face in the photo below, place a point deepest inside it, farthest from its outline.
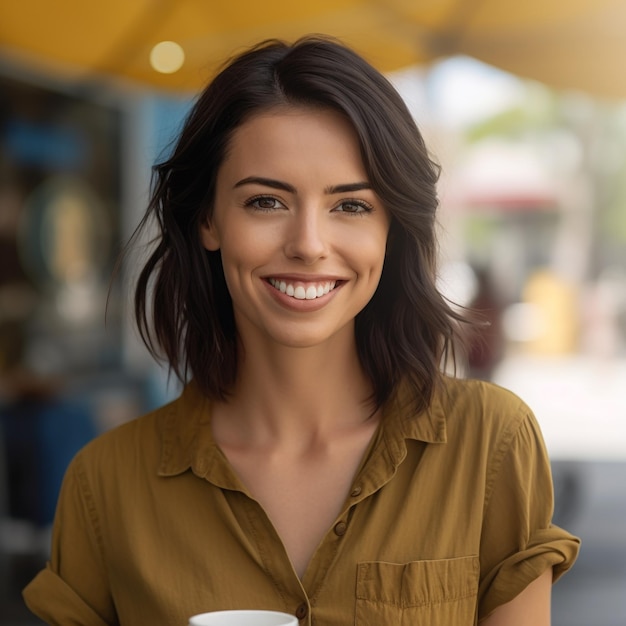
(301, 233)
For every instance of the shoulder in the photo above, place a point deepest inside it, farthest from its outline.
(468, 414)
(481, 413)
(478, 399)
(127, 447)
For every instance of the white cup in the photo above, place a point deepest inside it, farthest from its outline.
(243, 618)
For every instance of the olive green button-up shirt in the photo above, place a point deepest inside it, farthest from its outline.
(447, 518)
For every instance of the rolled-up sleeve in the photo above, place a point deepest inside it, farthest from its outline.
(519, 542)
(57, 604)
(73, 588)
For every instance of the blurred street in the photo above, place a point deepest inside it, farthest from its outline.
(593, 593)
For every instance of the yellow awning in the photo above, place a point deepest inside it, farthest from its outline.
(570, 44)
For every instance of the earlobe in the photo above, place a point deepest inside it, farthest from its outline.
(209, 238)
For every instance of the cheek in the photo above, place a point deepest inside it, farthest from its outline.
(242, 254)
(372, 251)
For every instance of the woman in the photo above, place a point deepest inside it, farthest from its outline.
(318, 463)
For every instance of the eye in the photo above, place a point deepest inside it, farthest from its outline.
(354, 207)
(264, 203)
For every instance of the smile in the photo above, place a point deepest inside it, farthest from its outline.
(303, 291)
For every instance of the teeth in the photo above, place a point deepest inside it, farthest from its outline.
(303, 293)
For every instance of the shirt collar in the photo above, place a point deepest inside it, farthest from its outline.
(187, 440)
(402, 421)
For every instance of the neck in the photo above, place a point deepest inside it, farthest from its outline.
(285, 393)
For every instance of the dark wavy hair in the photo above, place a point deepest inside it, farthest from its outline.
(182, 305)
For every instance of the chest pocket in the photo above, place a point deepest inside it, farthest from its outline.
(420, 593)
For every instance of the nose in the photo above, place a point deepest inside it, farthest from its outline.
(307, 239)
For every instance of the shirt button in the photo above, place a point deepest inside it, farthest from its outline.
(302, 611)
(340, 528)
(356, 492)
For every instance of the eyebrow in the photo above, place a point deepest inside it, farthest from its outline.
(265, 182)
(347, 188)
(278, 184)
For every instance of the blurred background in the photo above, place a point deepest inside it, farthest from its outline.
(524, 107)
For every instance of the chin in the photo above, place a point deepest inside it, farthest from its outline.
(301, 337)
(300, 341)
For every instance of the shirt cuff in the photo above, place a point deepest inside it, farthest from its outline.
(552, 547)
(51, 599)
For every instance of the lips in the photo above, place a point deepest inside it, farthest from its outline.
(301, 290)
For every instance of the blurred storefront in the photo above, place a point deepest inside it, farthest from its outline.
(61, 366)
(60, 206)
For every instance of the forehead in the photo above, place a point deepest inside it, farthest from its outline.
(294, 134)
